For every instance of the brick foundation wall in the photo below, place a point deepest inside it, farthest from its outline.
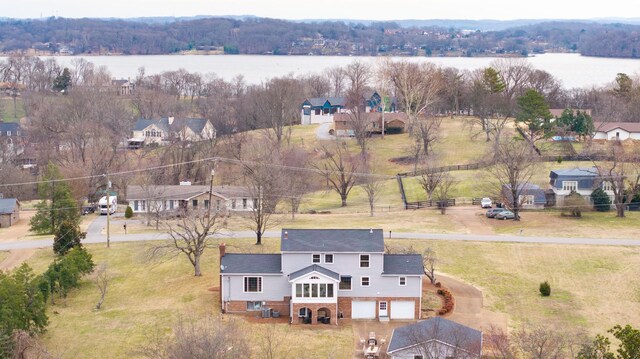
(240, 306)
(344, 304)
(314, 307)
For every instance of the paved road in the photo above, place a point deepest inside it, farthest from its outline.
(94, 236)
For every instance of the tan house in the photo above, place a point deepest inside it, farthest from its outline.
(164, 130)
(9, 212)
(394, 122)
(616, 131)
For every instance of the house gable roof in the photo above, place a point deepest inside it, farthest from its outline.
(610, 126)
(240, 263)
(409, 264)
(332, 240)
(8, 205)
(525, 189)
(440, 329)
(321, 101)
(143, 123)
(314, 268)
(9, 126)
(575, 172)
(176, 192)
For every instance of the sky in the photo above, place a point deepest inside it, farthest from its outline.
(327, 9)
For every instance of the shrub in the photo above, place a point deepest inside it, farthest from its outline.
(128, 213)
(601, 201)
(545, 289)
(448, 301)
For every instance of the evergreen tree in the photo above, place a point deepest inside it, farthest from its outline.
(21, 303)
(67, 236)
(534, 113)
(601, 200)
(56, 205)
(63, 82)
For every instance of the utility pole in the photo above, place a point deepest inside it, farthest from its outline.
(210, 191)
(108, 208)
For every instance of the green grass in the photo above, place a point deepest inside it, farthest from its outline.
(7, 112)
(592, 288)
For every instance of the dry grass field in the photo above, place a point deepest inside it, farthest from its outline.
(593, 288)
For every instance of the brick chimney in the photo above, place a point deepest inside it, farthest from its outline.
(222, 248)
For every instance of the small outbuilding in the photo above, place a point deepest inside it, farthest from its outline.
(9, 212)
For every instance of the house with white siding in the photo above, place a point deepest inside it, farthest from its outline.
(616, 131)
(168, 198)
(322, 275)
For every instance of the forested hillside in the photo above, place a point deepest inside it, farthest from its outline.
(280, 37)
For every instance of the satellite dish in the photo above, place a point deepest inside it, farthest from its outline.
(222, 267)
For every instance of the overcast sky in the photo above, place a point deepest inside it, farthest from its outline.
(326, 9)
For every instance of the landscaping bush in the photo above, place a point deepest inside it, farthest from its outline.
(448, 301)
(545, 289)
(601, 201)
(128, 213)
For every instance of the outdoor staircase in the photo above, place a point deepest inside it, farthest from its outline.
(383, 319)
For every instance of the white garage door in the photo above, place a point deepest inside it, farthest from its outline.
(363, 309)
(401, 309)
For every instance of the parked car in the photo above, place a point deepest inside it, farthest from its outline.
(88, 209)
(505, 215)
(486, 202)
(491, 213)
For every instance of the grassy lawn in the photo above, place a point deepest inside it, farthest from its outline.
(592, 224)
(146, 297)
(593, 288)
(7, 111)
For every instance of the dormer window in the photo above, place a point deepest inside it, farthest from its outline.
(315, 258)
(607, 186)
(364, 261)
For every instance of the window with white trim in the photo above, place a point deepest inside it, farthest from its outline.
(345, 282)
(253, 284)
(315, 258)
(364, 261)
(254, 305)
(402, 281)
(569, 185)
(527, 199)
(328, 258)
(364, 281)
(607, 186)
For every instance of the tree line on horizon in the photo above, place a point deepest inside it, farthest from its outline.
(281, 37)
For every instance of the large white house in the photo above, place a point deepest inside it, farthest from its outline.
(321, 275)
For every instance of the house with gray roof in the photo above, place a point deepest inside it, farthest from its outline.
(530, 196)
(184, 197)
(9, 212)
(321, 109)
(323, 275)
(581, 180)
(164, 130)
(437, 338)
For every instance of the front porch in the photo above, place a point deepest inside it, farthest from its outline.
(314, 313)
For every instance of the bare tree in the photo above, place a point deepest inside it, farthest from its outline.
(339, 168)
(429, 261)
(298, 179)
(102, 282)
(199, 338)
(621, 172)
(515, 164)
(266, 186)
(372, 186)
(536, 342)
(431, 177)
(278, 104)
(274, 343)
(443, 190)
(190, 234)
(336, 77)
(426, 130)
(498, 343)
(417, 86)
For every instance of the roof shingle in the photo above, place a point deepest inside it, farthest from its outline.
(410, 264)
(235, 263)
(439, 329)
(334, 240)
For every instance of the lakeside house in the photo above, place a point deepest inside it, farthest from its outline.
(323, 275)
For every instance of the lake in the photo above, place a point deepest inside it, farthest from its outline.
(572, 69)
